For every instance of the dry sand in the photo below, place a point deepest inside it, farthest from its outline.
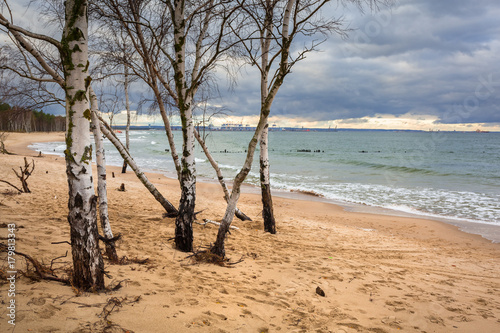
(379, 273)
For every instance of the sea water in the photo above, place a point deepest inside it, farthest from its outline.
(443, 175)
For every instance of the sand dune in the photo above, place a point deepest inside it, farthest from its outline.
(378, 273)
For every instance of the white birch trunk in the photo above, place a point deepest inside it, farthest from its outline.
(218, 247)
(265, 183)
(184, 220)
(264, 156)
(169, 208)
(101, 179)
(127, 107)
(88, 266)
(268, 96)
(239, 214)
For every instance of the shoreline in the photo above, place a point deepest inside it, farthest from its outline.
(379, 273)
(491, 232)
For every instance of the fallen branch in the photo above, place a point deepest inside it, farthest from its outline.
(112, 304)
(126, 261)
(23, 176)
(214, 222)
(118, 285)
(111, 240)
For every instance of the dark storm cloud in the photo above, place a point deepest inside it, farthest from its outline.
(421, 56)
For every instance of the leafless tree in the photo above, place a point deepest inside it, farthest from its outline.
(272, 28)
(179, 43)
(23, 175)
(88, 267)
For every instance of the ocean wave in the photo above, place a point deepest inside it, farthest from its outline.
(431, 188)
(396, 168)
(458, 205)
(49, 148)
(228, 167)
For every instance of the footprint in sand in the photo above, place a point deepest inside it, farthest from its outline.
(37, 301)
(215, 315)
(436, 320)
(48, 311)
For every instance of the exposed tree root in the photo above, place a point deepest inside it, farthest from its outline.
(214, 222)
(127, 261)
(10, 184)
(170, 215)
(39, 270)
(105, 324)
(205, 256)
(117, 286)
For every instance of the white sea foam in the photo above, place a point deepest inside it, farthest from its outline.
(50, 148)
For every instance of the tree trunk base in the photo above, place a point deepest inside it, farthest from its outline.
(218, 249)
(111, 253)
(184, 232)
(88, 266)
(239, 214)
(267, 210)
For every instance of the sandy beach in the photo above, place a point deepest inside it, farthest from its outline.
(379, 273)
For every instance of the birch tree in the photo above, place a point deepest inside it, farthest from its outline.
(276, 24)
(139, 23)
(101, 180)
(273, 26)
(219, 246)
(126, 82)
(180, 42)
(88, 266)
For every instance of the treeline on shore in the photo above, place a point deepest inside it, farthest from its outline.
(19, 119)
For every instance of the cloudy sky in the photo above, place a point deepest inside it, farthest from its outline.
(420, 64)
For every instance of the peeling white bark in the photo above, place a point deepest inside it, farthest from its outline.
(101, 178)
(268, 95)
(88, 265)
(127, 107)
(184, 220)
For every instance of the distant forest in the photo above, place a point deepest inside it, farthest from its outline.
(18, 119)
